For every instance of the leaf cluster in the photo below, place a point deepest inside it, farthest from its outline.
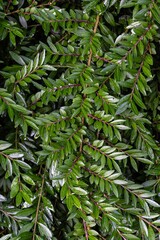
(79, 120)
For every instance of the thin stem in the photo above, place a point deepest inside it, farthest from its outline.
(85, 230)
(121, 235)
(38, 206)
(8, 5)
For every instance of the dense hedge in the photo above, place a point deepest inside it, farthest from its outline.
(79, 119)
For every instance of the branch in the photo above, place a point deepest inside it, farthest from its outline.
(94, 31)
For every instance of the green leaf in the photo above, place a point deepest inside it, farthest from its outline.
(12, 38)
(44, 230)
(122, 127)
(90, 90)
(141, 47)
(115, 190)
(69, 202)
(25, 212)
(20, 109)
(26, 197)
(49, 68)
(47, 203)
(144, 160)
(14, 190)
(152, 203)
(4, 145)
(125, 229)
(157, 222)
(23, 22)
(14, 187)
(120, 182)
(76, 201)
(2, 198)
(155, 15)
(140, 14)
(144, 228)
(146, 195)
(27, 227)
(98, 143)
(17, 58)
(36, 61)
(141, 88)
(102, 185)
(18, 199)
(64, 191)
(16, 155)
(8, 236)
(151, 234)
(114, 176)
(109, 18)
(131, 237)
(134, 164)
(42, 57)
(108, 69)
(149, 183)
(27, 179)
(113, 218)
(138, 101)
(149, 59)
(146, 71)
(119, 51)
(23, 165)
(79, 191)
(96, 211)
(122, 108)
(31, 124)
(134, 108)
(93, 232)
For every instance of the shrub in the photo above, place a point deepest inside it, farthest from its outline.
(80, 122)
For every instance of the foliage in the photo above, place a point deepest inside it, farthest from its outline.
(80, 121)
